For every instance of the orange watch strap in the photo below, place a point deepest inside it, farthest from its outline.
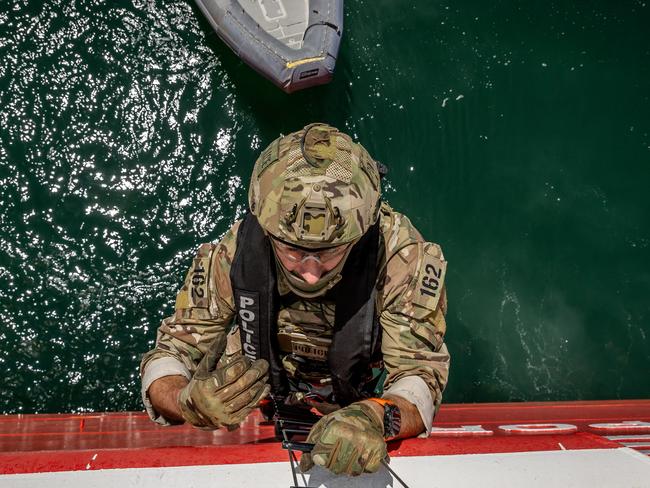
(381, 401)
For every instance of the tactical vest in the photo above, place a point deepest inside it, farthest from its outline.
(356, 336)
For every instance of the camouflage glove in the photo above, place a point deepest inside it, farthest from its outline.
(348, 441)
(225, 395)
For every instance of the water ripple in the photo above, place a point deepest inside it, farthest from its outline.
(108, 186)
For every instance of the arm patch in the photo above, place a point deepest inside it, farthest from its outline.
(430, 278)
(198, 283)
(194, 293)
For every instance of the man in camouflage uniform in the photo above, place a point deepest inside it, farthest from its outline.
(315, 209)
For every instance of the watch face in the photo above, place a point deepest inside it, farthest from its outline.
(392, 420)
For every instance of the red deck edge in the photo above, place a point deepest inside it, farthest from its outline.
(50, 461)
(253, 442)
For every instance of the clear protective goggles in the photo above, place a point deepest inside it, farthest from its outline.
(298, 255)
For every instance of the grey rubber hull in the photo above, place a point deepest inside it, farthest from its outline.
(291, 60)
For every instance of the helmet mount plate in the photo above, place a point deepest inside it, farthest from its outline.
(314, 220)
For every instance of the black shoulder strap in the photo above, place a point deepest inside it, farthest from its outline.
(356, 329)
(252, 275)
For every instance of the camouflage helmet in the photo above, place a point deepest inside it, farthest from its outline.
(315, 188)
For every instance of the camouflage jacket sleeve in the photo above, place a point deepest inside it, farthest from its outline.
(413, 307)
(203, 311)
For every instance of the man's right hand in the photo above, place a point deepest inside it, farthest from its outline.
(224, 395)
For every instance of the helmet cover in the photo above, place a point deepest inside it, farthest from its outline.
(315, 188)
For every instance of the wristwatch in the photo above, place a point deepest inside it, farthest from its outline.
(392, 417)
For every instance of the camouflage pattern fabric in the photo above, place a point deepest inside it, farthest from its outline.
(223, 395)
(305, 328)
(411, 305)
(349, 441)
(315, 188)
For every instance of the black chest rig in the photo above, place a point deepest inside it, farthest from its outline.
(356, 340)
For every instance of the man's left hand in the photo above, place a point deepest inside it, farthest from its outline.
(348, 441)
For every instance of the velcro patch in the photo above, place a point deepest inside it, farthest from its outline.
(431, 276)
(269, 156)
(198, 283)
(369, 167)
(248, 321)
(310, 350)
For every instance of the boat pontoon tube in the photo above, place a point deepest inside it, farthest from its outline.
(293, 43)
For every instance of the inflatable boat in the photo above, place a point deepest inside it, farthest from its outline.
(293, 43)
(602, 444)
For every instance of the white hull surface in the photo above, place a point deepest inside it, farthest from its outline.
(622, 467)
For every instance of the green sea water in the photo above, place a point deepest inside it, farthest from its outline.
(517, 135)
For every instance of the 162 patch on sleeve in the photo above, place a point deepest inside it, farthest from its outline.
(431, 276)
(198, 285)
(195, 292)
